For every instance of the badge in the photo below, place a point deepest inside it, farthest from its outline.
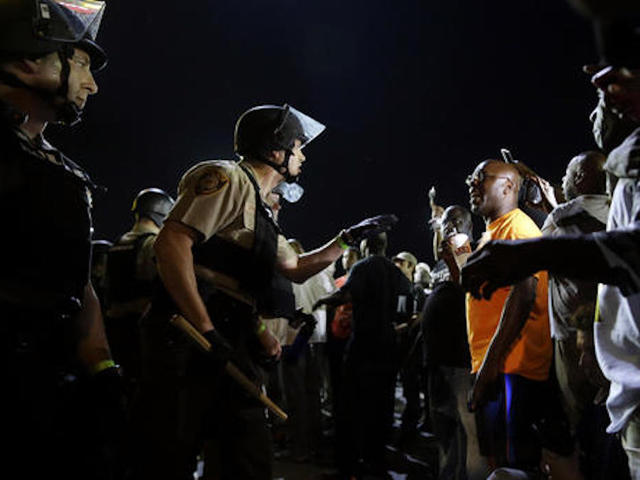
(210, 182)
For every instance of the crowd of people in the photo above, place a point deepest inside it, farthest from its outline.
(157, 355)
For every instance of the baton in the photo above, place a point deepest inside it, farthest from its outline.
(241, 379)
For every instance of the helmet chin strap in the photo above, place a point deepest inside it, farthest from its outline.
(288, 177)
(68, 113)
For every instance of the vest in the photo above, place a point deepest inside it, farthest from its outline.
(45, 248)
(254, 269)
(123, 281)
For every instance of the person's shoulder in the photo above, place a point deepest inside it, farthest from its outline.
(365, 266)
(211, 176)
(227, 168)
(378, 262)
(522, 226)
(561, 212)
(624, 160)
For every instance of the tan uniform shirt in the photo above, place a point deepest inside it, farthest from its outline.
(216, 197)
(145, 269)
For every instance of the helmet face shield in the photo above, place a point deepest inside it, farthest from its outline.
(68, 21)
(271, 127)
(307, 126)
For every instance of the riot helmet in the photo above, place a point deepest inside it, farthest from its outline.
(265, 128)
(35, 28)
(154, 204)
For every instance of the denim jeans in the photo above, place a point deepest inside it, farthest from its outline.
(631, 444)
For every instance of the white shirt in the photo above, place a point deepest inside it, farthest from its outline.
(617, 327)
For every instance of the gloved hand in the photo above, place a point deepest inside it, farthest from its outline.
(367, 228)
(221, 351)
(299, 318)
(308, 326)
(293, 352)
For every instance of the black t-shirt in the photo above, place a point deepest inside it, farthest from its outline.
(440, 273)
(381, 297)
(444, 327)
(419, 297)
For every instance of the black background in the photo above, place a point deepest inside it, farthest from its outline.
(413, 93)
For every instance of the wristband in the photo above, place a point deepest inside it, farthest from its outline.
(261, 328)
(102, 366)
(341, 243)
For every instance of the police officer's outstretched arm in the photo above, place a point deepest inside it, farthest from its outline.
(300, 268)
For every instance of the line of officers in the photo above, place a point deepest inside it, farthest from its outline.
(221, 260)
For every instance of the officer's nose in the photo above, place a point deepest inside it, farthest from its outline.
(90, 84)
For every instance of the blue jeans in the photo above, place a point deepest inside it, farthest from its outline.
(505, 424)
(631, 444)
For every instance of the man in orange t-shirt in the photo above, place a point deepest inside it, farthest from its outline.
(509, 336)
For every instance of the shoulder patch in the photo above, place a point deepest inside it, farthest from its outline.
(212, 181)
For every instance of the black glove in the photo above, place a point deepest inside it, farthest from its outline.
(368, 228)
(292, 353)
(308, 326)
(268, 362)
(299, 318)
(221, 351)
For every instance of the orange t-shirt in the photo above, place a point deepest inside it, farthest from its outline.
(530, 355)
(341, 324)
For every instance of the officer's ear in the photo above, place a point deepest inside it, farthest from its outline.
(20, 68)
(277, 156)
(29, 66)
(25, 68)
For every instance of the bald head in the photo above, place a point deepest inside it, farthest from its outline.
(585, 175)
(456, 219)
(507, 170)
(374, 245)
(493, 189)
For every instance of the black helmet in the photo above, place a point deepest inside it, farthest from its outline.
(154, 204)
(264, 128)
(34, 28)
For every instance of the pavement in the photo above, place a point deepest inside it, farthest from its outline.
(415, 458)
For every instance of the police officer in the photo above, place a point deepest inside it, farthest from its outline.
(217, 254)
(51, 331)
(130, 277)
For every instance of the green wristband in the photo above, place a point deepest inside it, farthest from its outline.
(102, 366)
(341, 243)
(261, 328)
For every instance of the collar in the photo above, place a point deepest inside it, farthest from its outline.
(624, 160)
(142, 228)
(596, 206)
(504, 218)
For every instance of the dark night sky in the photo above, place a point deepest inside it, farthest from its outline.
(413, 92)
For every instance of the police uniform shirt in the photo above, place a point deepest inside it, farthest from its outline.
(217, 198)
(145, 259)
